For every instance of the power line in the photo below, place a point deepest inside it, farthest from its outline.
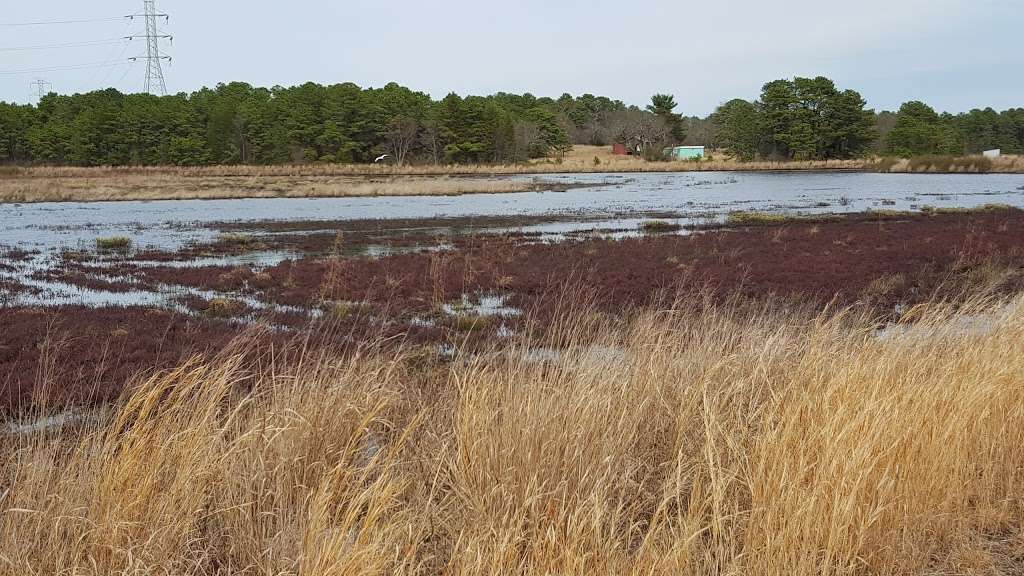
(66, 45)
(123, 76)
(119, 56)
(60, 68)
(48, 22)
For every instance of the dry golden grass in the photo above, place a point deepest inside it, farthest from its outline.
(1006, 164)
(581, 159)
(697, 440)
(100, 184)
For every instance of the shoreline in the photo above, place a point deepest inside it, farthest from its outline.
(19, 185)
(155, 187)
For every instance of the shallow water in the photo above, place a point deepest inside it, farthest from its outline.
(482, 305)
(46, 292)
(174, 223)
(615, 206)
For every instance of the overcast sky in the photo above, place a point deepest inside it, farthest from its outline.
(953, 54)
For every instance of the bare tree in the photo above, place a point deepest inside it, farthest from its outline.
(700, 132)
(526, 141)
(241, 126)
(640, 131)
(430, 141)
(594, 132)
(400, 137)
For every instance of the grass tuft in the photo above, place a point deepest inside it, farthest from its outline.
(343, 310)
(660, 226)
(470, 322)
(757, 218)
(114, 244)
(886, 214)
(237, 239)
(225, 308)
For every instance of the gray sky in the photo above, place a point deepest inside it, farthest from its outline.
(953, 54)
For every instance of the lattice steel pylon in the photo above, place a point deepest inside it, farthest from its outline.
(40, 87)
(155, 83)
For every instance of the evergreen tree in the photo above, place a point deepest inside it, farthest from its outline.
(919, 130)
(739, 128)
(663, 106)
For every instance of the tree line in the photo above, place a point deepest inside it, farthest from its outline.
(811, 119)
(343, 123)
(238, 123)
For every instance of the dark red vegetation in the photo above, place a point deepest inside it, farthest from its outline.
(78, 355)
(90, 353)
(87, 354)
(90, 279)
(850, 260)
(15, 254)
(13, 288)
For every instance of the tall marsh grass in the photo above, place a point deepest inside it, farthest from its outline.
(937, 164)
(970, 164)
(115, 184)
(693, 440)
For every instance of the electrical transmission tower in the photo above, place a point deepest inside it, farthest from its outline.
(40, 87)
(154, 70)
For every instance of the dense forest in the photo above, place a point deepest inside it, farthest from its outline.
(233, 123)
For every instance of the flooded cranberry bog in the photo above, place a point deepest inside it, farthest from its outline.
(92, 295)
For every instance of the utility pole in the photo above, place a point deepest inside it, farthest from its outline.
(154, 71)
(40, 87)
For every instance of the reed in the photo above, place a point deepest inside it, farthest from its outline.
(695, 439)
(938, 164)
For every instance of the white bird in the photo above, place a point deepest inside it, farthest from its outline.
(380, 158)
